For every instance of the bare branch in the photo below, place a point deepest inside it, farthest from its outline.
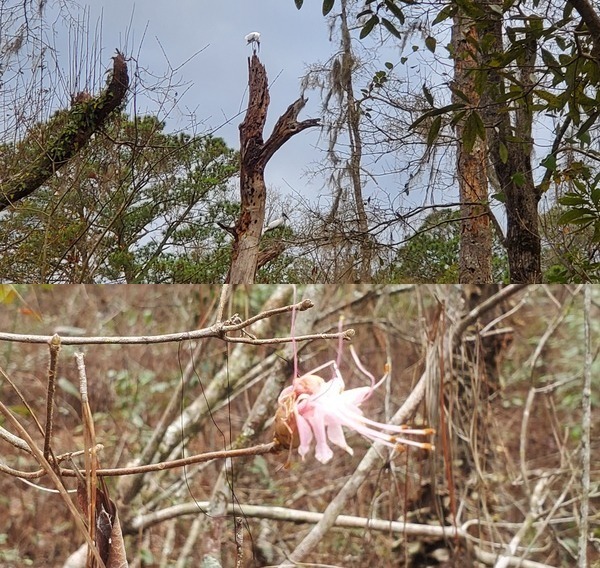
(218, 330)
(54, 350)
(586, 425)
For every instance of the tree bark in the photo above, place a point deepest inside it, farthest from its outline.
(510, 149)
(254, 155)
(475, 255)
(69, 131)
(353, 116)
(591, 18)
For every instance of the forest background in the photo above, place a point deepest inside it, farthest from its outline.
(505, 375)
(458, 142)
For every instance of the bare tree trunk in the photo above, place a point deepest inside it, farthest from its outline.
(254, 155)
(354, 163)
(510, 150)
(68, 132)
(475, 258)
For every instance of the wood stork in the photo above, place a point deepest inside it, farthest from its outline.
(276, 223)
(254, 39)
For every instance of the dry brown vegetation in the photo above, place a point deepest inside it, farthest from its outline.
(507, 462)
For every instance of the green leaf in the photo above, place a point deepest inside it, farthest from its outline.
(368, 27)
(390, 27)
(430, 43)
(391, 6)
(8, 294)
(587, 125)
(458, 116)
(444, 14)
(435, 112)
(518, 179)
(434, 130)
(572, 200)
(554, 102)
(364, 13)
(299, 3)
(503, 150)
(549, 162)
(389, 65)
(327, 6)
(460, 94)
(579, 216)
(22, 409)
(473, 129)
(549, 59)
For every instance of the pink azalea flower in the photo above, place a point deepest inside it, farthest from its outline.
(315, 409)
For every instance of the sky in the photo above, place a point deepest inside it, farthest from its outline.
(162, 34)
(202, 46)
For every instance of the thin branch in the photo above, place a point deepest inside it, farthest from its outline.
(55, 478)
(218, 330)
(485, 306)
(538, 497)
(142, 522)
(225, 294)
(261, 449)
(586, 421)
(54, 347)
(90, 458)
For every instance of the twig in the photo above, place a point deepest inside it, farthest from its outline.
(260, 449)
(219, 330)
(538, 497)
(586, 420)
(532, 364)
(172, 464)
(90, 458)
(23, 400)
(485, 306)
(225, 293)
(346, 335)
(47, 468)
(54, 346)
(15, 441)
(239, 542)
(142, 522)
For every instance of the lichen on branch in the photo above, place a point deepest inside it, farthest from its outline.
(67, 133)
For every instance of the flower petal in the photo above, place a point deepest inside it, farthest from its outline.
(304, 433)
(336, 436)
(322, 451)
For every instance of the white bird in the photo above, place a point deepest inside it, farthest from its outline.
(254, 39)
(276, 223)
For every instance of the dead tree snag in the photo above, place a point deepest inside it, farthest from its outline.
(67, 132)
(254, 155)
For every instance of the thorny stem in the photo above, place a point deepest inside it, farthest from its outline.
(54, 345)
